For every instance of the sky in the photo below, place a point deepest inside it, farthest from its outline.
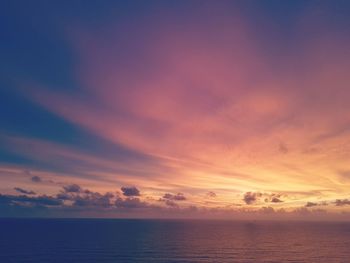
(199, 109)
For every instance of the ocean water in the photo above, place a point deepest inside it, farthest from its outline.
(102, 240)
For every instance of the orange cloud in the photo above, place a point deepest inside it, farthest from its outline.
(210, 104)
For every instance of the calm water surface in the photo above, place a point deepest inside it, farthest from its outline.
(90, 240)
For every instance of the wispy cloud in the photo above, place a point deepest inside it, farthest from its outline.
(199, 108)
(23, 191)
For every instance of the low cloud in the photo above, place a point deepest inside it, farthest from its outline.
(342, 202)
(76, 199)
(72, 188)
(84, 197)
(211, 194)
(22, 191)
(29, 200)
(130, 202)
(174, 197)
(36, 179)
(276, 200)
(130, 191)
(94, 200)
(272, 197)
(251, 197)
(171, 203)
(311, 204)
(171, 200)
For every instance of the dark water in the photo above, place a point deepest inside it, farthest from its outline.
(87, 240)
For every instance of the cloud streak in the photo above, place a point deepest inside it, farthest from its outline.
(196, 108)
(22, 191)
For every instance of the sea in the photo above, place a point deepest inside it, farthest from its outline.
(134, 240)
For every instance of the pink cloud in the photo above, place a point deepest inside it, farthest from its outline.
(207, 99)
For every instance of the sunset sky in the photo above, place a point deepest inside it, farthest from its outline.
(234, 109)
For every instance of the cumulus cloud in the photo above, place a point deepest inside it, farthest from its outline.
(74, 196)
(130, 202)
(36, 179)
(342, 202)
(130, 191)
(72, 188)
(323, 203)
(251, 197)
(311, 204)
(272, 197)
(94, 200)
(211, 194)
(83, 197)
(29, 200)
(170, 203)
(87, 201)
(275, 199)
(174, 197)
(171, 199)
(22, 191)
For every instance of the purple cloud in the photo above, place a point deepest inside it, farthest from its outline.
(130, 191)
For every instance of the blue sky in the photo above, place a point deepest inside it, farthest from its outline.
(235, 105)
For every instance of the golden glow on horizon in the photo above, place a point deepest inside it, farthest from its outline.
(216, 114)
